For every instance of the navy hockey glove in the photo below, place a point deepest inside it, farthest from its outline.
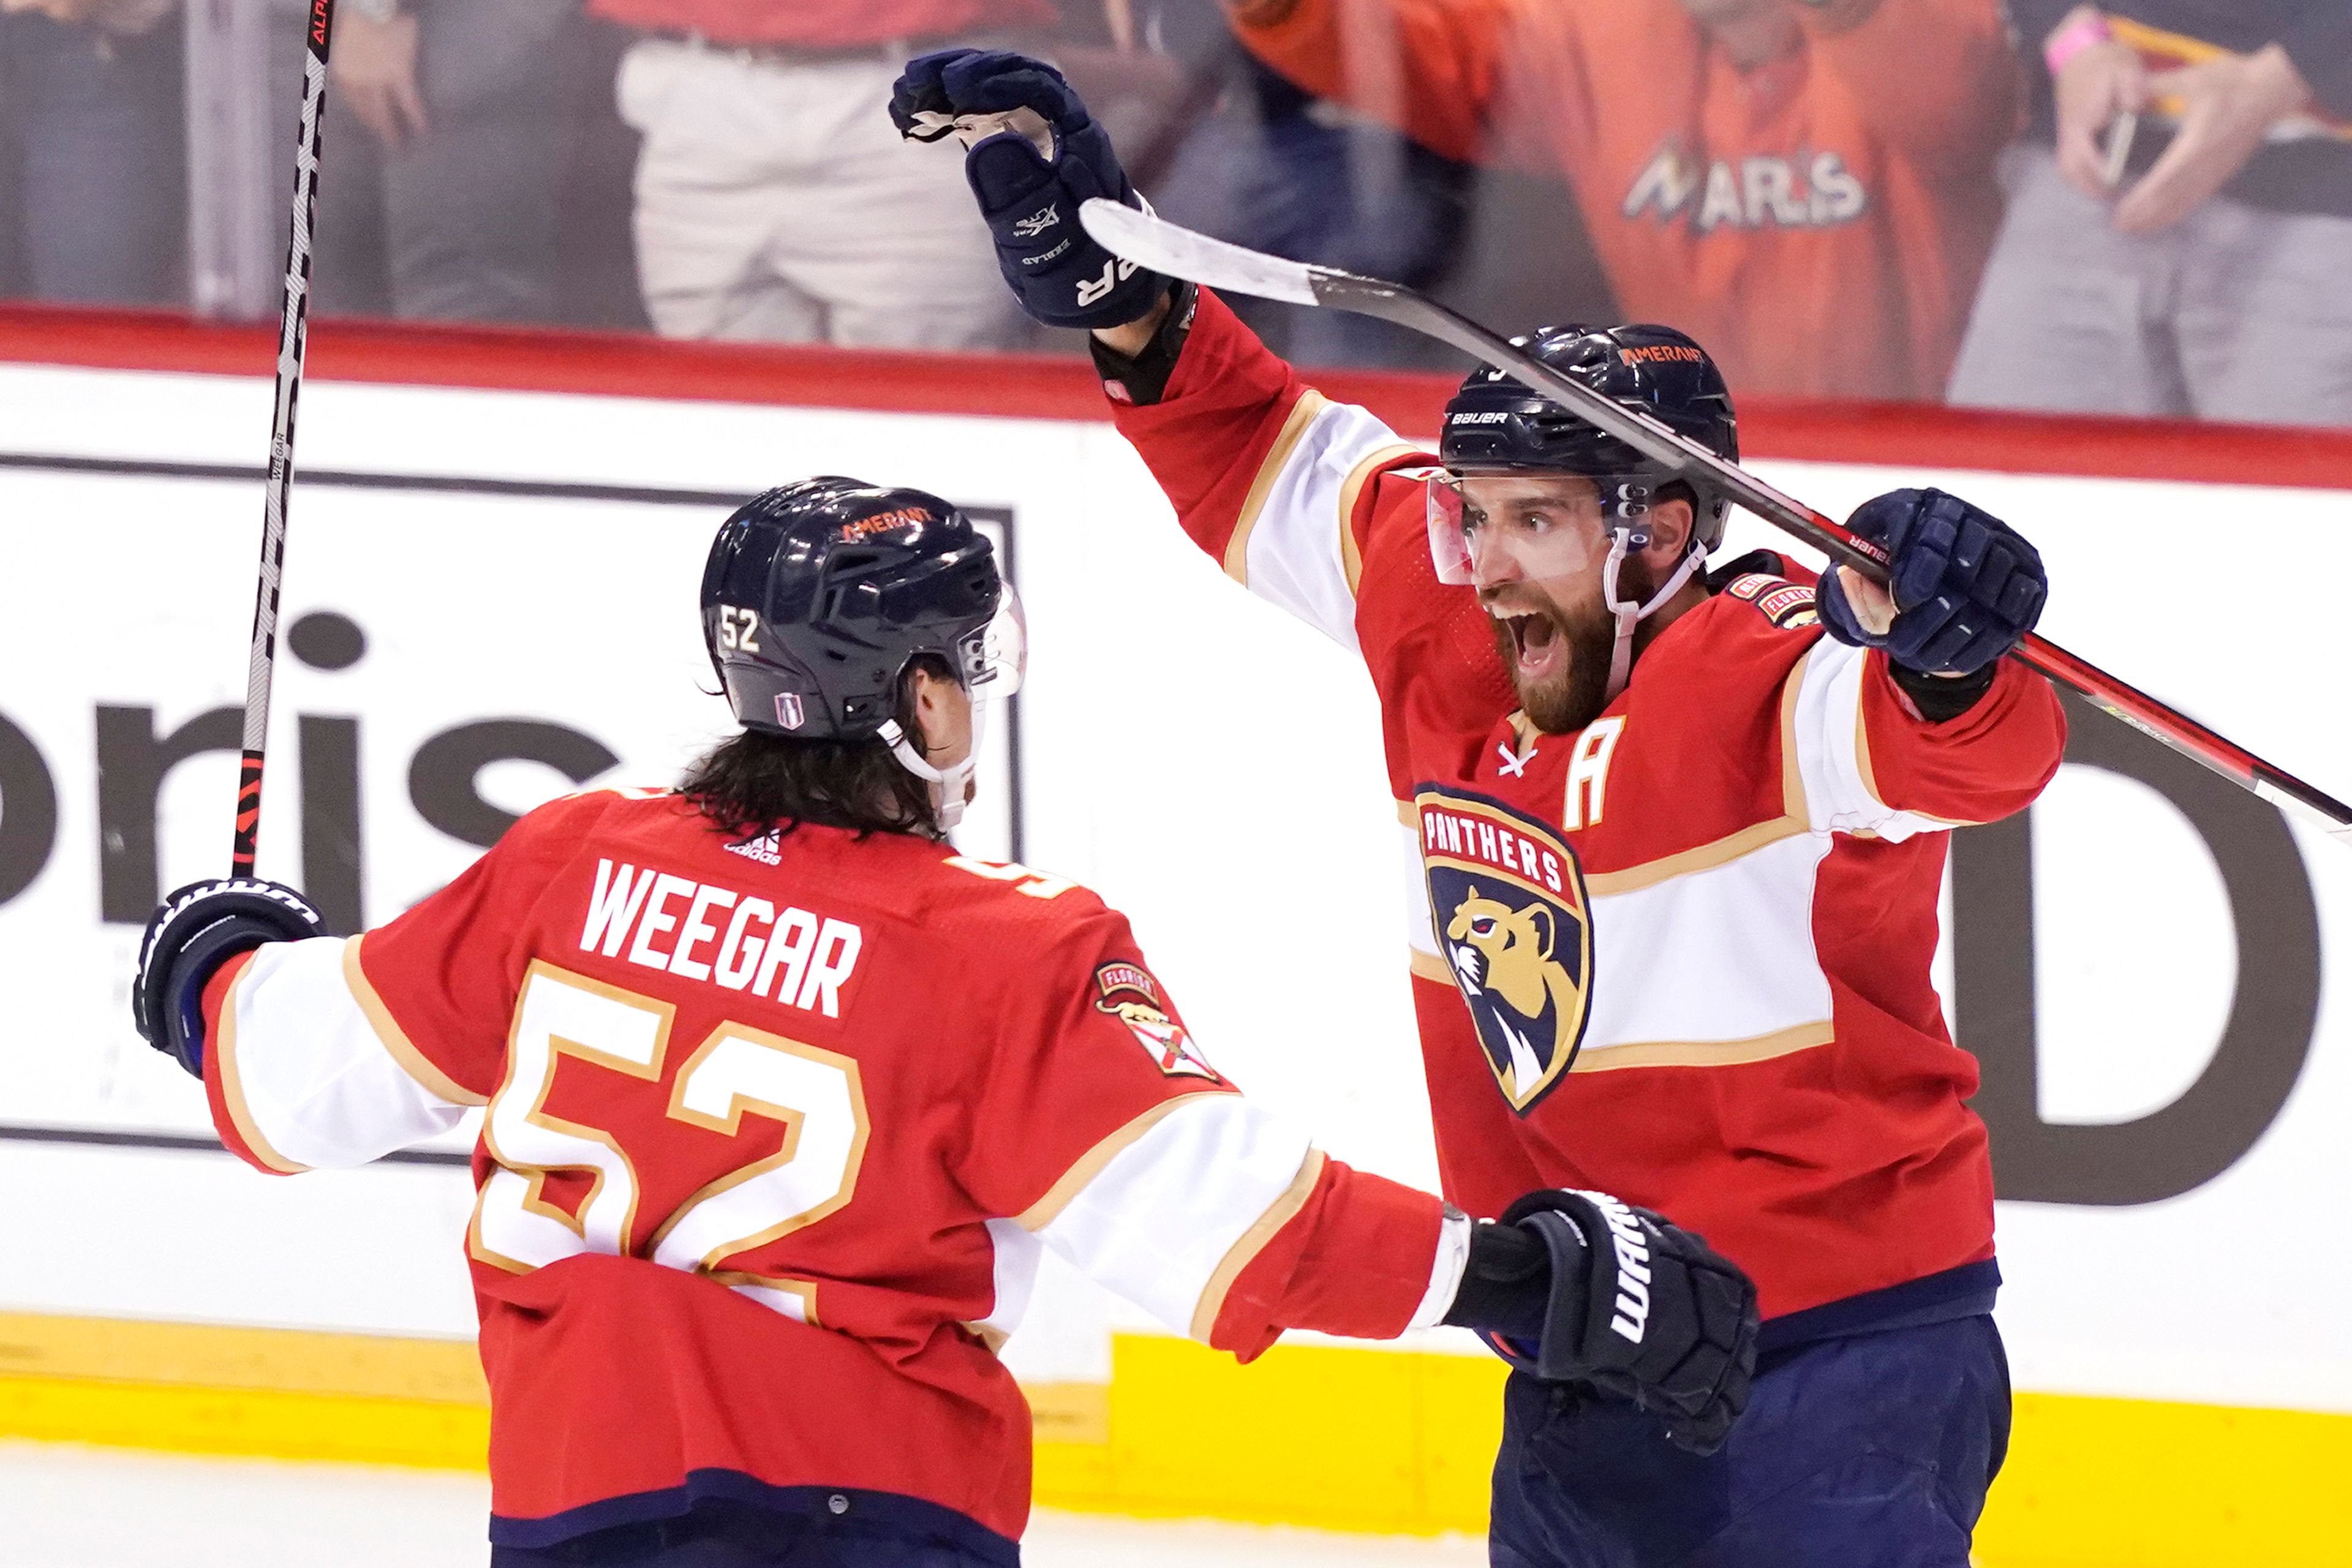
(191, 934)
(1966, 586)
(1622, 1299)
(1034, 154)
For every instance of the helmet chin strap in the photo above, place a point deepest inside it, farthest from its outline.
(950, 784)
(1629, 614)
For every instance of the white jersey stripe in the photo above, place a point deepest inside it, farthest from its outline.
(307, 1079)
(1832, 753)
(1351, 491)
(1017, 1254)
(1279, 1213)
(1453, 1261)
(1158, 1221)
(1269, 474)
(1041, 1213)
(1744, 931)
(1300, 552)
(223, 1048)
(396, 1039)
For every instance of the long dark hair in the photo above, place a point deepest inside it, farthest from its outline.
(757, 782)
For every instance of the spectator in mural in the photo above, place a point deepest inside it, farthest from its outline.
(1805, 185)
(2179, 229)
(452, 188)
(93, 205)
(773, 199)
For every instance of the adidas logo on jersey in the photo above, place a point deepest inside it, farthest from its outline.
(767, 849)
(1805, 191)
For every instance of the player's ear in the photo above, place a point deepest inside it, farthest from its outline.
(1671, 521)
(927, 696)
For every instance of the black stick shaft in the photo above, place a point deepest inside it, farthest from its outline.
(293, 339)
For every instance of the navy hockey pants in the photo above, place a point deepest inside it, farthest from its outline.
(725, 1533)
(1869, 1451)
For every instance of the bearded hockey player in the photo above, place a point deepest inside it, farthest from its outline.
(785, 1097)
(1676, 841)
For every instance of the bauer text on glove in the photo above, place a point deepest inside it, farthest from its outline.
(1967, 587)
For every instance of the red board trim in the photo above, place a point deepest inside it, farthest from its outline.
(1039, 386)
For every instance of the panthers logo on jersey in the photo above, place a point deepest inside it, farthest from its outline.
(1507, 899)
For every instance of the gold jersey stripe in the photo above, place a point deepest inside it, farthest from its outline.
(1705, 1053)
(1351, 491)
(1792, 773)
(1701, 857)
(1294, 430)
(1279, 1213)
(1041, 1213)
(1870, 774)
(395, 1041)
(223, 1046)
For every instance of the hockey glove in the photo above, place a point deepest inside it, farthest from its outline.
(191, 933)
(1622, 1299)
(1033, 155)
(1966, 586)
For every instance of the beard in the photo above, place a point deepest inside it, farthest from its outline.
(1557, 656)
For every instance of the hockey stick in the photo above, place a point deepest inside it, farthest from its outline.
(293, 339)
(1162, 247)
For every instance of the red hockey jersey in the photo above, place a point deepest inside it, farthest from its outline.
(1682, 955)
(776, 1133)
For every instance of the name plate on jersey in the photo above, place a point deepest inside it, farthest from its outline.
(1507, 899)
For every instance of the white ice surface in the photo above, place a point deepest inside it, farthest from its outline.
(66, 1507)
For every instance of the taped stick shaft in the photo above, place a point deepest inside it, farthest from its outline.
(293, 339)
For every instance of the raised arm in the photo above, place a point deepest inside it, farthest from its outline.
(1275, 481)
(1278, 483)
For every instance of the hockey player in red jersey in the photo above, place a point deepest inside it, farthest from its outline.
(785, 1099)
(1676, 842)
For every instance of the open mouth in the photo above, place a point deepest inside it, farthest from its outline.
(1538, 650)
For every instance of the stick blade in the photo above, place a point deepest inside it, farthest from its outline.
(1153, 242)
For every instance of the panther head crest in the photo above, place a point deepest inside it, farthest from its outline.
(1509, 952)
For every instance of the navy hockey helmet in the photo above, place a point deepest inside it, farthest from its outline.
(817, 595)
(1496, 425)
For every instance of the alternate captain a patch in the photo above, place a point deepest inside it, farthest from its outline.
(1508, 901)
(1132, 996)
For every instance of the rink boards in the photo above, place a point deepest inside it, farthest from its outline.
(2142, 968)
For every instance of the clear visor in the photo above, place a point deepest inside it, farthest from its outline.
(1491, 528)
(997, 656)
